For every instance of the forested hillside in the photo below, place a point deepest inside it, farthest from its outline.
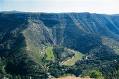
(53, 45)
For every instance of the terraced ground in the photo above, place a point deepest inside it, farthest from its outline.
(72, 60)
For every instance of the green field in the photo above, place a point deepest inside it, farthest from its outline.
(49, 53)
(74, 59)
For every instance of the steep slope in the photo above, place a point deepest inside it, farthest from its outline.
(41, 45)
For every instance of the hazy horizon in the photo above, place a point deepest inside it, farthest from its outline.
(61, 6)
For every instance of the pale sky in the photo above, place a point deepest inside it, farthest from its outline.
(93, 6)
